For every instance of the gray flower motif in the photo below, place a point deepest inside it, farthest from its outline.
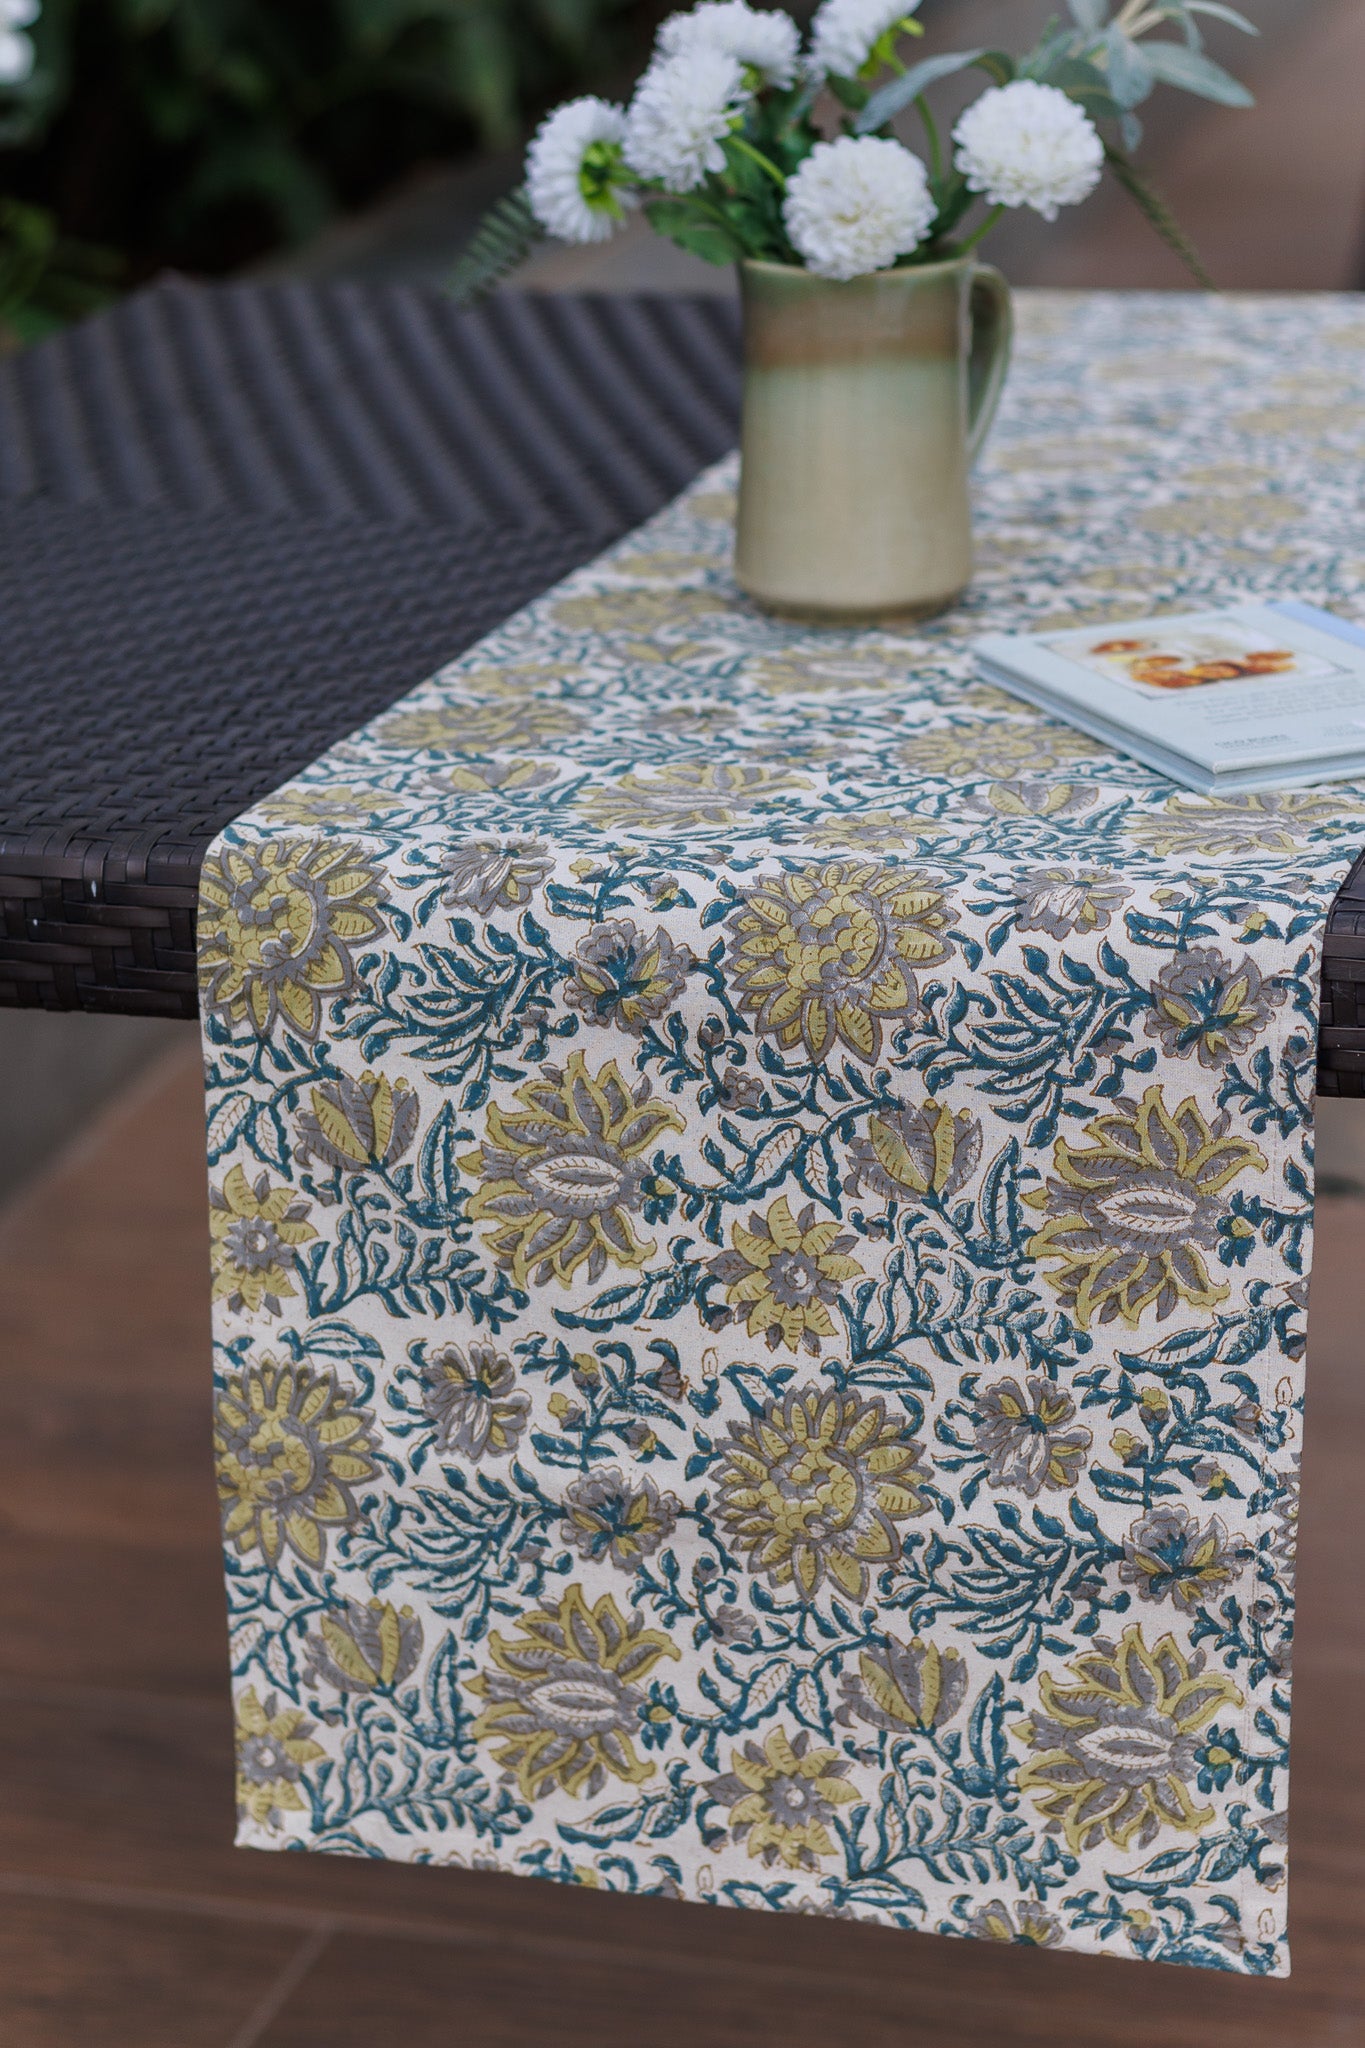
(1064, 900)
(1205, 1007)
(606, 1517)
(902, 1686)
(915, 1151)
(373, 1648)
(627, 979)
(732, 1628)
(1284, 1512)
(473, 1399)
(494, 874)
(1169, 1555)
(1028, 1924)
(740, 1090)
(1029, 1436)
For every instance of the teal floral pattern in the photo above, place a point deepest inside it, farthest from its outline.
(763, 1209)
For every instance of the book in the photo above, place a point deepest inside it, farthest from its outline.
(1251, 696)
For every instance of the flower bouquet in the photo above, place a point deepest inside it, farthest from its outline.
(743, 147)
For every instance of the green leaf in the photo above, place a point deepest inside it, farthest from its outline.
(715, 241)
(502, 241)
(1221, 13)
(1089, 14)
(1057, 44)
(998, 66)
(953, 197)
(1088, 86)
(1130, 75)
(848, 91)
(889, 99)
(1175, 65)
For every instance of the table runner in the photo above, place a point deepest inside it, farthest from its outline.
(761, 1206)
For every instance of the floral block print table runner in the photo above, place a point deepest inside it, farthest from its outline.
(761, 1215)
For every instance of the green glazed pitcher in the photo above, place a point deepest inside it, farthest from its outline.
(864, 406)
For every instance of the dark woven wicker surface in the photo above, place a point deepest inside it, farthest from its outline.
(235, 522)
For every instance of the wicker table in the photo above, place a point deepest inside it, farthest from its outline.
(237, 521)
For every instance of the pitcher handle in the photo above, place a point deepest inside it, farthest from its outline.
(992, 324)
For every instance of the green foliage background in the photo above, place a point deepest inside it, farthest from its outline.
(202, 133)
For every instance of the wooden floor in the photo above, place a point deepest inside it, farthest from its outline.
(129, 1920)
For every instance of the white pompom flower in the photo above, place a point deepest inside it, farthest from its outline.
(844, 33)
(857, 204)
(1029, 145)
(572, 171)
(683, 109)
(16, 49)
(764, 41)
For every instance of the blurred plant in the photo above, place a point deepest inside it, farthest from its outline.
(202, 133)
(45, 277)
(724, 143)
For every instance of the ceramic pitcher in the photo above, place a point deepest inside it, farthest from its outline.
(864, 405)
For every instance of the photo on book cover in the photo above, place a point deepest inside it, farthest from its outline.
(1189, 655)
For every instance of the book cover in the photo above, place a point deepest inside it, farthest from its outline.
(1251, 696)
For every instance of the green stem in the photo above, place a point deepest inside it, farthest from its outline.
(764, 163)
(931, 131)
(979, 234)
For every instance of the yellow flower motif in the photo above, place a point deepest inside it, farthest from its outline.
(1029, 1924)
(662, 565)
(508, 716)
(825, 955)
(814, 1487)
(1117, 1747)
(336, 804)
(782, 1274)
(273, 1744)
(915, 1151)
(564, 1698)
(289, 1445)
(640, 611)
(277, 922)
(374, 1648)
(722, 506)
(901, 1686)
(988, 750)
(563, 1176)
(487, 778)
(1031, 797)
(254, 1231)
(1222, 828)
(819, 673)
(370, 1122)
(782, 1798)
(1133, 1213)
(688, 796)
(875, 831)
